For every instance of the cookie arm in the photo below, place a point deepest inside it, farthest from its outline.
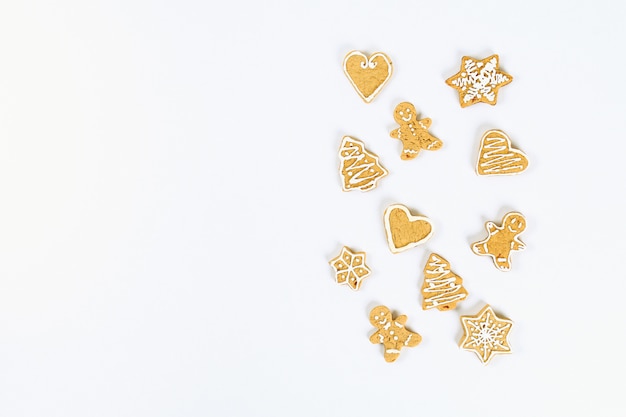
(425, 122)
(491, 227)
(517, 244)
(375, 337)
(401, 319)
(395, 133)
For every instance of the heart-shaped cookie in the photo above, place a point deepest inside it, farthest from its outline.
(496, 156)
(367, 75)
(405, 230)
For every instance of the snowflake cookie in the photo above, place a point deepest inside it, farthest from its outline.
(502, 240)
(442, 289)
(413, 132)
(485, 334)
(479, 80)
(497, 156)
(359, 169)
(368, 75)
(391, 332)
(404, 230)
(350, 268)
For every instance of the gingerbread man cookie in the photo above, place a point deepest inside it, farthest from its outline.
(502, 240)
(368, 75)
(350, 268)
(413, 132)
(479, 80)
(485, 334)
(391, 332)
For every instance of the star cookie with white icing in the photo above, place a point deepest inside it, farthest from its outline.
(479, 80)
(485, 334)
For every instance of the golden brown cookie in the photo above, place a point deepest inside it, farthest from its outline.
(479, 80)
(350, 268)
(485, 334)
(359, 169)
(442, 288)
(496, 156)
(404, 230)
(391, 332)
(413, 132)
(368, 75)
(502, 240)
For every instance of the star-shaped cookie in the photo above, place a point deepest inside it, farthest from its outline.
(478, 81)
(350, 268)
(485, 334)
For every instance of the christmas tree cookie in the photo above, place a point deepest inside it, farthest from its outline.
(359, 169)
(442, 288)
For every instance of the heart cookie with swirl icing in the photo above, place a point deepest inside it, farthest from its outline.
(368, 75)
(496, 156)
(404, 230)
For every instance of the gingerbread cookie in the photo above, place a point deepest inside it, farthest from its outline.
(391, 332)
(479, 80)
(502, 240)
(358, 168)
(442, 288)
(485, 334)
(413, 132)
(405, 231)
(350, 268)
(368, 75)
(496, 156)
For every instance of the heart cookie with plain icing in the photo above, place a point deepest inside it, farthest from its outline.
(368, 75)
(496, 156)
(404, 230)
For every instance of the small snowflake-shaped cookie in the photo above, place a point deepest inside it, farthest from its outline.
(350, 268)
(486, 334)
(478, 81)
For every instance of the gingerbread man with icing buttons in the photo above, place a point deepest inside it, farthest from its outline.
(502, 240)
(391, 333)
(413, 132)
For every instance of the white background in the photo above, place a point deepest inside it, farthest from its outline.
(170, 200)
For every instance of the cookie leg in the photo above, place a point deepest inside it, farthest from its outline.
(391, 354)
(503, 264)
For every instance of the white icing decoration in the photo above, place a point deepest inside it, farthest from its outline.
(480, 82)
(443, 286)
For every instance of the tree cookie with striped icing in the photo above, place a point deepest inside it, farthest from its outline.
(442, 289)
(391, 333)
(502, 240)
(497, 156)
(359, 168)
(368, 75)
